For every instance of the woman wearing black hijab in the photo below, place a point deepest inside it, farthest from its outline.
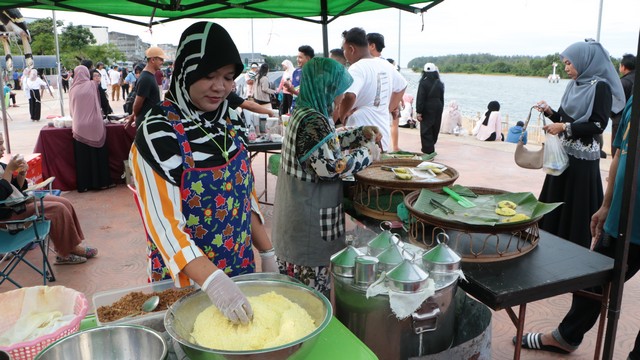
(193, 176)
(490, 129)
(429, 107)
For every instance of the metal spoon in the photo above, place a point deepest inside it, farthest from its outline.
(150, 304)
(147, 306)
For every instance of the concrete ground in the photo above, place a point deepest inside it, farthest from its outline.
(111, 223)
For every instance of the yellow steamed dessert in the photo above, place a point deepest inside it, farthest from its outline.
(402, 176)
(516, 218)
(276, 321)
(505, 211)
(507, 204)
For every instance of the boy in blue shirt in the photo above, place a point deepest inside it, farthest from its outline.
(514, 133)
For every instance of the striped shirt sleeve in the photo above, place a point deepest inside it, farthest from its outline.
(161, 210)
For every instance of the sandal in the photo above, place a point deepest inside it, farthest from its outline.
(533, 341)
(427, 157)
(72, 259)
(88, 252)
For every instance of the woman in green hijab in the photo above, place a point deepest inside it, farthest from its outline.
(308, 215)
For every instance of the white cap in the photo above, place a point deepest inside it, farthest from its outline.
(430, 67)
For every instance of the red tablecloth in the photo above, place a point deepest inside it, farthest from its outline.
(56, 147)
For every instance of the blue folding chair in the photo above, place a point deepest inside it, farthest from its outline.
(17, 237)
(44, 188)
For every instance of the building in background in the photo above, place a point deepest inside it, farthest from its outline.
(131, 46)
(101, 33)
(248, 58)
(170, 50)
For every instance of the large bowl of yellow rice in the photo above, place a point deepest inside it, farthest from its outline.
(288, 316)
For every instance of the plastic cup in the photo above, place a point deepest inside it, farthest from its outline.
(263, 124)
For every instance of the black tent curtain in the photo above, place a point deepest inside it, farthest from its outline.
(626, 222)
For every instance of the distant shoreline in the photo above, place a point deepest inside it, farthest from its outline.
(481, 74)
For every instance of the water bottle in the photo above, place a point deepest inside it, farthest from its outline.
(252, 133)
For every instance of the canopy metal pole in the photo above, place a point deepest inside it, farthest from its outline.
(5, 124)
(599, 24)
(626, 219)
(399, 35)
(252, 57)
(58, 78)
(324, 18)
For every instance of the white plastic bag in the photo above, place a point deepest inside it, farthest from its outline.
(555, 159)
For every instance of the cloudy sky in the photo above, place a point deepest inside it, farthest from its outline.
(499, 27)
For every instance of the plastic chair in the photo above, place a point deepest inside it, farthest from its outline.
(17, 237)
(274, 164)
(40, 191)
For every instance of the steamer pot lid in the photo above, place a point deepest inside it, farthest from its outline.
(382, 240)
(391, 255)
(441, 253)
(346, 257)
(406, 274)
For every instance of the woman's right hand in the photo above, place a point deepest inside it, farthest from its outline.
(228, 298)
(543, 107)
(372, 133)
(16, 163)
(130, 121)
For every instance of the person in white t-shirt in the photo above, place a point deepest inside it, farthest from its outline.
(376, 90)
(33, 86)
(104, 77)
(114, 79)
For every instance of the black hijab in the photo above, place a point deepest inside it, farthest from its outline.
(204, 48)
(493, 106)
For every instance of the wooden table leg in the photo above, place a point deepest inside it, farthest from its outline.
(604, 303)
(264, 192)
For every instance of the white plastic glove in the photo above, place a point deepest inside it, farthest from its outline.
(269, 261)
(374, 151)
(228, 298)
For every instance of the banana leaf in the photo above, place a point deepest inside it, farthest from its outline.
(399, 155)
(463, 190)
(484, 212)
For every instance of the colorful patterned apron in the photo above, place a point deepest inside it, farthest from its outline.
(216, 203)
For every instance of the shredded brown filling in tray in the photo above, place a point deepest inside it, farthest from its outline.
(131, 304)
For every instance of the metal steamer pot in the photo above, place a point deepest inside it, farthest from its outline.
(181, 316)
(429, 330)
(442, 263)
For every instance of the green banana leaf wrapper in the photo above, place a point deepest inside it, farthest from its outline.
(399, 155)
(484, 211)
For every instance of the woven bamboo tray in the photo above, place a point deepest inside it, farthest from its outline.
(378, 192)
(474, 243)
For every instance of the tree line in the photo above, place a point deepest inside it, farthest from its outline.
(493, 64)
(76, 43)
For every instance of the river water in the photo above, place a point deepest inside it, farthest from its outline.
(473, 92)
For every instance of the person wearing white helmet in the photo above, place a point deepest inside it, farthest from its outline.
(429, 107)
